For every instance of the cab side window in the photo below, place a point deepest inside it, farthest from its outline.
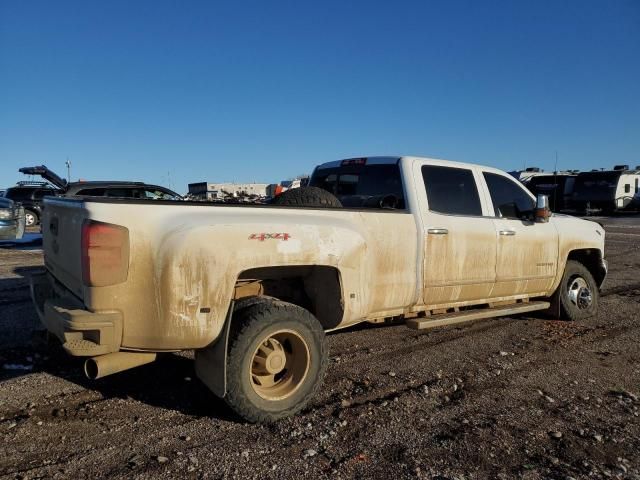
(451, 190)
(509, 199)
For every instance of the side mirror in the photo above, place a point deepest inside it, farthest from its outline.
(542, 212)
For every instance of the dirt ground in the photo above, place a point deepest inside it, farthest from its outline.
(521, 397)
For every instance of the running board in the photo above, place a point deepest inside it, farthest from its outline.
(422, 323)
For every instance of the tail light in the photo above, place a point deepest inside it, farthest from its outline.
(105, 254)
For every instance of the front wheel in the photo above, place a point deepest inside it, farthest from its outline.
(30, 218)
(276, 360)
(577, 295)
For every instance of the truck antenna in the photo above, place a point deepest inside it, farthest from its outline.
(555, 182)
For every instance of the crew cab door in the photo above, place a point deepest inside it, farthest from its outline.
(459, 241)
(527, 257)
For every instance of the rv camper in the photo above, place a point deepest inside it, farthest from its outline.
(558, 186)
(527, 174)
(607, 190)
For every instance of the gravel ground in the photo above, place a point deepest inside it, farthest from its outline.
(521, 397)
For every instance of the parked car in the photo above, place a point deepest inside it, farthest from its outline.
(253, 288)
(118, 189)
(12, 221)
(30, 194)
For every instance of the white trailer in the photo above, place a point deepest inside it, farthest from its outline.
(607, 190)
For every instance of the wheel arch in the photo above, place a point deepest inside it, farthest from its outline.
(592, 259)
(317, 288)
(256, 285)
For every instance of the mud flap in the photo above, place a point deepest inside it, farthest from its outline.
(211, 361)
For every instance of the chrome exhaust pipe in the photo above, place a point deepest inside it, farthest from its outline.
(103, 365)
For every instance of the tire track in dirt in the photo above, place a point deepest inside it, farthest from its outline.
(628, 288)
(586, 335)
(444, 335)
(74, 410)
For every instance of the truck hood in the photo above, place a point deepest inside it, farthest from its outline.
(45, 173)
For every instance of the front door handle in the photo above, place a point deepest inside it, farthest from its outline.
(437, 231)
(507, 233)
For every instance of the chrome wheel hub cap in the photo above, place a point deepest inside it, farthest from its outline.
(579, 293)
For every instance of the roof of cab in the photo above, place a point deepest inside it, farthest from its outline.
(379, 160)
(393, 159)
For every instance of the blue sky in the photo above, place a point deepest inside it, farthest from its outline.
(177, 92)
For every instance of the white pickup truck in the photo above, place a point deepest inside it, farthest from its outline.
(253, 288)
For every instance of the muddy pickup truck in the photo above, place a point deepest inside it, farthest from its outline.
(254, 288)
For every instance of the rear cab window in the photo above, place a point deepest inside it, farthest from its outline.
(360, 183)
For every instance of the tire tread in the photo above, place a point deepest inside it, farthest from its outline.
(254, 316)
(559, 300)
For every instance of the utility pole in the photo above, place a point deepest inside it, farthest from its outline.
(556, 193)
(68, 164)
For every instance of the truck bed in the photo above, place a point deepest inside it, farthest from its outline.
(185, 259)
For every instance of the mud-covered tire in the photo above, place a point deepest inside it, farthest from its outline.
(307, 197)
(31, 218)
(571, 301)
(254, 327)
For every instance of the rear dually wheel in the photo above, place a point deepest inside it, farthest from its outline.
(276, 360)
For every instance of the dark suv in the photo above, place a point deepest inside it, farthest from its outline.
(30, 194)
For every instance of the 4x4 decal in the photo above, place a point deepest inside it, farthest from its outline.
(265, 236)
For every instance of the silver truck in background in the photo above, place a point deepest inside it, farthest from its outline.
(12, 220)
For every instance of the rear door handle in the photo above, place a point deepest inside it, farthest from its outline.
(507, 233)
(437, 231)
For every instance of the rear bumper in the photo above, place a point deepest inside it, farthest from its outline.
(82, 332)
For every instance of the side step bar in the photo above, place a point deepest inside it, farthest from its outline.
(422, 323)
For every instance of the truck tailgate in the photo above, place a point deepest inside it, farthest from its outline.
(61, 238)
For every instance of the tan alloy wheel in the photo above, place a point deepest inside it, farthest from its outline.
(280, 365)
